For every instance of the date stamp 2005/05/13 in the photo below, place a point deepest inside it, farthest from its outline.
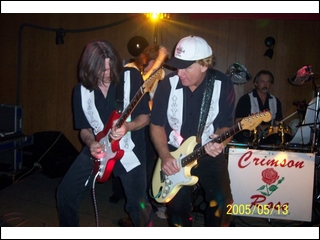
(257, 209)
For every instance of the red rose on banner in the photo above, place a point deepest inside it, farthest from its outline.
(269, 176)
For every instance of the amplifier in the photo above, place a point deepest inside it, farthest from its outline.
(11, 160)
(11, 153)
(11, 119)
(15, 141)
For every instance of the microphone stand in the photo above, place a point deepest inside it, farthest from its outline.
(315, 129)
(315, 146)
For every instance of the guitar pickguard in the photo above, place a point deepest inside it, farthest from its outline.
(167, 186)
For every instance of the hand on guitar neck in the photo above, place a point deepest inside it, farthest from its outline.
(116, 132)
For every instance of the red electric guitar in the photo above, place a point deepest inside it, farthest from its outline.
(104, 166)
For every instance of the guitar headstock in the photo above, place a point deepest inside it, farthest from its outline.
(252, 121)
(150, 83)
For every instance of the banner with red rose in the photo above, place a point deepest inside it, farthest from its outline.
(271, 184)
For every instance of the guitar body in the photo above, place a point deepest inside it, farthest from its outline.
(104, 166)
(165, 187)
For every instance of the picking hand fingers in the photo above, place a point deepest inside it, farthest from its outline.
(170, 168)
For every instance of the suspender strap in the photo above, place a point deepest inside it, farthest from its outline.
(206, 101)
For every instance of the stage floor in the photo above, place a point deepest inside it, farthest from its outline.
(31, 202)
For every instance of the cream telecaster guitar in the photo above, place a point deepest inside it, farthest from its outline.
(165, 187)
(104, 166)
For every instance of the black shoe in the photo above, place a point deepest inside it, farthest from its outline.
(154, 208)
(125, 222)
(114, 199)
(153, 205)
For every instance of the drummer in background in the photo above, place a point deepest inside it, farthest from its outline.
(259, 100)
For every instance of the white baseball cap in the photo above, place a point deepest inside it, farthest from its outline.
(188, 50)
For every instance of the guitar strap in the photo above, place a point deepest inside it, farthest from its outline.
(206, 101)
(119, 96)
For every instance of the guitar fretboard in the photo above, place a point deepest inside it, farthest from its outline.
(146, 87)
(201, 151)
(125, 114)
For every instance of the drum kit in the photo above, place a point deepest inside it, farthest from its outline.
(286, 137)
(274, 137)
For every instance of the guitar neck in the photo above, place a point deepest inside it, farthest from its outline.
(147, 86)
(201, 151)
(129, 109)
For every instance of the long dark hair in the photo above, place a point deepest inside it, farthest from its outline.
(92, 63)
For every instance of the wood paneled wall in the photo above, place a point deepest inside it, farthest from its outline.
(49, 71)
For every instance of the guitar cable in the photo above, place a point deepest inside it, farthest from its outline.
(94, 198)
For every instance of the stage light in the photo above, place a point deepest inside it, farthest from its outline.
(156, 16)
(269, 42)
(269, 53)
(60, 33)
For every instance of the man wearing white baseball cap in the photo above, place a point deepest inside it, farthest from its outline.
(192, 106)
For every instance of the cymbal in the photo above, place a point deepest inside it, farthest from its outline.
(302, 76)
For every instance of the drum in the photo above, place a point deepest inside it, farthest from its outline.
(278, 134)
(246, 136)
(294, 126)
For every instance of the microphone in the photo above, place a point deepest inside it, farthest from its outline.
(303, 75)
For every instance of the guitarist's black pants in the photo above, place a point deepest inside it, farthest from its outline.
(79, 179)
(215, 183)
